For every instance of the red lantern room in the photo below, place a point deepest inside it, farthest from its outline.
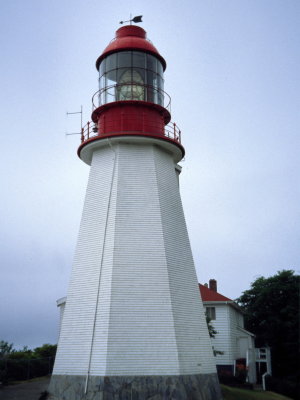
(131, 100)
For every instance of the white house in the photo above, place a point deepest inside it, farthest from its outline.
(232, 339)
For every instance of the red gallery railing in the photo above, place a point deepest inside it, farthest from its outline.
(134, 92)
(90, 130)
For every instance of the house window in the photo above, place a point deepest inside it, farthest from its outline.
(211, 312)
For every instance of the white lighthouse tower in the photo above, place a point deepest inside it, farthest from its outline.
(133, 325)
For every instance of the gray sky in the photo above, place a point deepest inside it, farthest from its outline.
(233, 75)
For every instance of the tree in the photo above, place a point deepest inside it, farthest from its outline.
(5, 349)
(271, 309)
(25, 363)
(47, 350)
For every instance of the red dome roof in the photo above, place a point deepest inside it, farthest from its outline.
(130, 37)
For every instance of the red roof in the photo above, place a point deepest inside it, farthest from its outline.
(210, 295)
(130, 37)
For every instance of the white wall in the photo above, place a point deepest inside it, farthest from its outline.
(231, 338)
(133, 305)
(222, 340)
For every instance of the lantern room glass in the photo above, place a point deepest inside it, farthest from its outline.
(131, 75)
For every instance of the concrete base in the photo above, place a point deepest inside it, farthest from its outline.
(181, 387)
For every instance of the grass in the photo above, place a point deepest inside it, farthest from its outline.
(230, 393)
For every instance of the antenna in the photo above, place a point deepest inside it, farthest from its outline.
(76, 112)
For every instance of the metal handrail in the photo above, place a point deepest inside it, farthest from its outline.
(90, 130)
(173, 132)
(116, 89)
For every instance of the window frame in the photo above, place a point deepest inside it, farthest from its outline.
(211, 313)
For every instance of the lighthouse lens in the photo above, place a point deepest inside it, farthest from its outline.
(131, 75)
(131, 86)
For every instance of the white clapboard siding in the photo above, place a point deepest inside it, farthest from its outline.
(61, 303)
(133, 305)
(233, 332)
(229, 324)
(222, 340)
(76, 334)
(239, 334)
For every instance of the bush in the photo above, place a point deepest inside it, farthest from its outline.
(25, 364)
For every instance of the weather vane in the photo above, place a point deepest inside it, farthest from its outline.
(136, 19)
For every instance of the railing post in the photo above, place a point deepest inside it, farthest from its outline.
(174, 126)
(88, 129)
(143, 122)
(82, 135)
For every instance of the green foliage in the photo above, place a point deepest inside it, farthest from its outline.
(47, 350)
(25, 364)
(25, 353)
(272, 314)
(5, 349)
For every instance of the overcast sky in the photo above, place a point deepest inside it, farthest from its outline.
(233, 75)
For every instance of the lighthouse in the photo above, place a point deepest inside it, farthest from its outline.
(133, 325)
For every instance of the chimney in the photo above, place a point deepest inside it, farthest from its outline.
(213, 285)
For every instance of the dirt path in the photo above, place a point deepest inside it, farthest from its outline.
(25, 391)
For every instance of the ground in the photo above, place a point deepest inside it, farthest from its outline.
(30, 390)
